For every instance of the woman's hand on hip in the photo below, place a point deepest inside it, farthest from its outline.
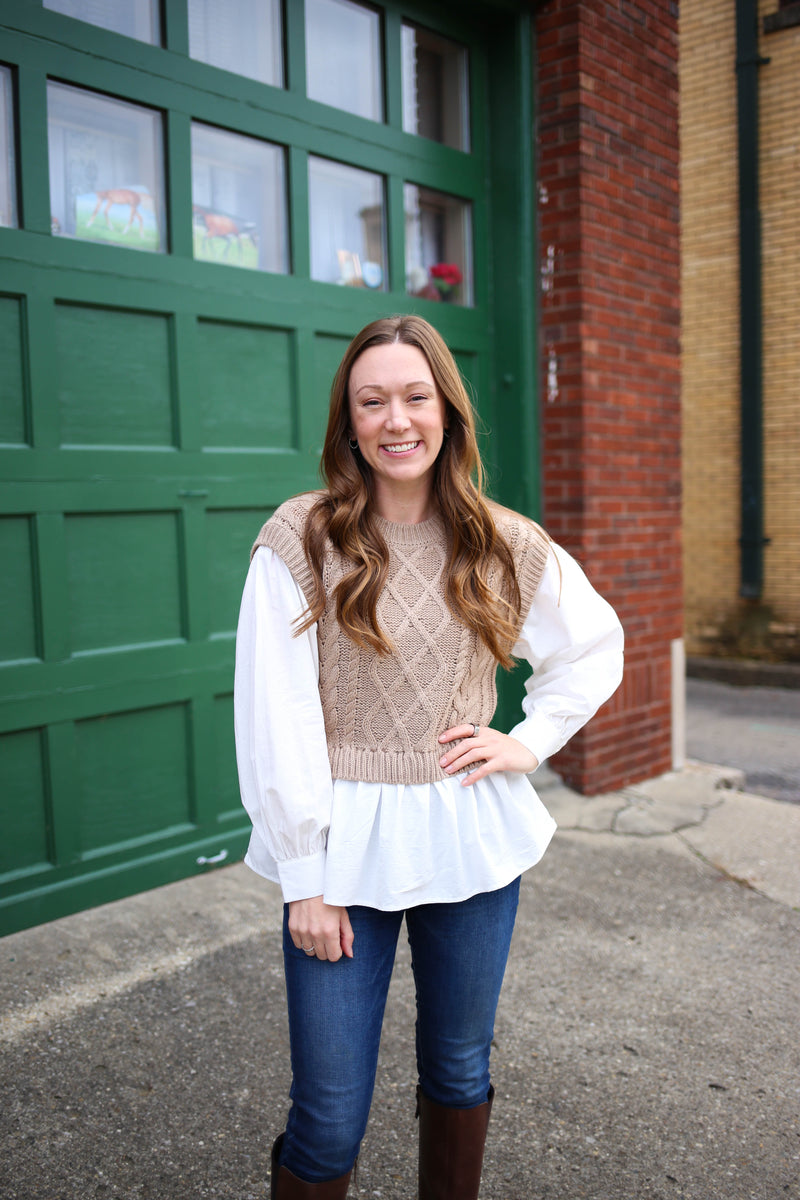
(494, 751)
(322, 930)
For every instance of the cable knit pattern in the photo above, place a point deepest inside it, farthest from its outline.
(384, 713)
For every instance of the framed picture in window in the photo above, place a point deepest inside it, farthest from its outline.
(239, 202)
(106, 169)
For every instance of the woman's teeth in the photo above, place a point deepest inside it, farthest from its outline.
(401, 447)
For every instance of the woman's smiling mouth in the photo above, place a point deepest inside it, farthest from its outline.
(400, 447)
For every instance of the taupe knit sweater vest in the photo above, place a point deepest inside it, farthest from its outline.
(383, 713)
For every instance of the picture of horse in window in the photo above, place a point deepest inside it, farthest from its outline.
(223, 237)
(123, 215)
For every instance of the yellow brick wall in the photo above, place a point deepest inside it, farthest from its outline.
(710, 323)
(779, 131)
(709, 304)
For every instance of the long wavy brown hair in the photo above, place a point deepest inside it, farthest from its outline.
(345, 513)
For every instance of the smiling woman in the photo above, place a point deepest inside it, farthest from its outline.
(373, 619)
(397, 418)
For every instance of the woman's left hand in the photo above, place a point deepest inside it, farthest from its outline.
(494, 751)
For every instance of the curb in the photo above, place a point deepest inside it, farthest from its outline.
(662, 806)
(744, 672)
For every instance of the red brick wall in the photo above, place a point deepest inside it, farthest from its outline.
(609, 240)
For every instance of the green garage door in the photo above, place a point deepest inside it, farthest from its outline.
(199, 207)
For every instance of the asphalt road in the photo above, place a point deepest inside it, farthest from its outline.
(756, 729)
(643, 1047)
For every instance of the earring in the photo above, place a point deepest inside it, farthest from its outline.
(352, 443)
(446, 433)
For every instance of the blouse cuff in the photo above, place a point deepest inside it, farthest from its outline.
(539, 735)
(302, 878)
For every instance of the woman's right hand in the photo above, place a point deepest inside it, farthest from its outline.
(325, 928)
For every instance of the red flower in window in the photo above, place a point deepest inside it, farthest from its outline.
(446, 273)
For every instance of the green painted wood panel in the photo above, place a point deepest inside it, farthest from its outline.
(114, 378)
(18, 631)
(230, 535)
(328, 352)
(123, 579)
(154, 410)
(23, 802)
(246, 387)
(226, 778)
(13, 416)
(134, 777)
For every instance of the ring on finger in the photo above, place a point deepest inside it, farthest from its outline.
(475, 730)
(308, 949)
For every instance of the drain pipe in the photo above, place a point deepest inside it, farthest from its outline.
(752, 540)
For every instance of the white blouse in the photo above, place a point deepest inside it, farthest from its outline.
(391, 846)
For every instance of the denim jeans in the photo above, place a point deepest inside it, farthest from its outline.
(458, 956)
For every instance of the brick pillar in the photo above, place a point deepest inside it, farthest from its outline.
(609, 244)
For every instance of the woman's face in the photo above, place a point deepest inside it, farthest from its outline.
(397, 416)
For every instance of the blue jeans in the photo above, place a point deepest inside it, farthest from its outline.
(458, 956)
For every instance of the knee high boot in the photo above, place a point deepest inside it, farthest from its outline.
(451, 1142)
(286, 1186)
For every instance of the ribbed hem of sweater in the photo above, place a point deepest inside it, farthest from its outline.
(381, 766)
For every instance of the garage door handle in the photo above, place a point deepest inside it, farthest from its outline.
(202, 861)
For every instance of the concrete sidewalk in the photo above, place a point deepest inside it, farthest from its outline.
(646, 1045)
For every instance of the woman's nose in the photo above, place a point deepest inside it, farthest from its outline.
(397, 417)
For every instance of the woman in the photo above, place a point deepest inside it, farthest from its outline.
(373, 619)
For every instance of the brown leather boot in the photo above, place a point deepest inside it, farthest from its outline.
(451, 1142)
(286, 1186)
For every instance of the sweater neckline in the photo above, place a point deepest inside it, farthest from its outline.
(410, 534)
